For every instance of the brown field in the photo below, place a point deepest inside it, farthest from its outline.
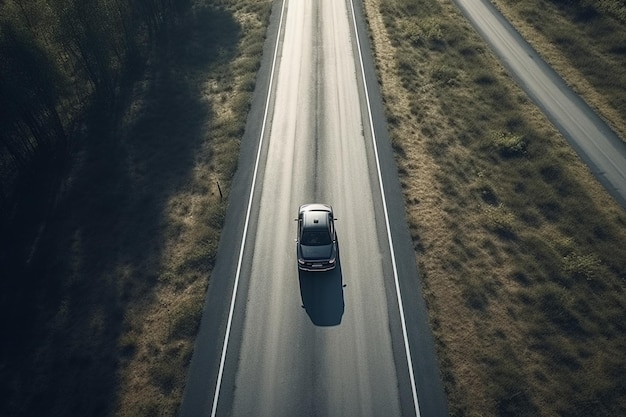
(522, 252)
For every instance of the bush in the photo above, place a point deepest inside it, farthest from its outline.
(422, 31)
(508, 144)
(500, 221)
(582, 266)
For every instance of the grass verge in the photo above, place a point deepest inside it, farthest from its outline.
(162, 332)
(523, 253)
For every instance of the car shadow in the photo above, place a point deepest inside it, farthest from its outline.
(322, 296)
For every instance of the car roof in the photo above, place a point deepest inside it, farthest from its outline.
(316, 215)
(316, 219)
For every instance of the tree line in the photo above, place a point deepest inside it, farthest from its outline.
(57, 57)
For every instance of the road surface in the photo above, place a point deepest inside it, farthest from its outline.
(352, 342)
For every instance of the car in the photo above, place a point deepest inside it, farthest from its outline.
(316, 244)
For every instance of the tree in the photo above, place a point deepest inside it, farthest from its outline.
(29, 86)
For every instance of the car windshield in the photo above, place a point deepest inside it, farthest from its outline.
(315, 238)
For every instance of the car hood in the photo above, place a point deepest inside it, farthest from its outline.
(316, 252)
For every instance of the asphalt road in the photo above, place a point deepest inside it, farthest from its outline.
(597, 145)
(333, 356)
(351, 342)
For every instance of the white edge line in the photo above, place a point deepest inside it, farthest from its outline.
(247, 222)
(382, 192)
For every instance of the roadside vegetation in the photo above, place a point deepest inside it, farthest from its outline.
(522, 252)
(585, 41)
(119, 135)
(119, 120)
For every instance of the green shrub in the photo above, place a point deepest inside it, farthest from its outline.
(508, 144)
(585, 266)
(501, 221)
(421, 31)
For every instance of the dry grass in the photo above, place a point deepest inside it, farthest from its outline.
(522, 252)
(161, 332)
(584, 42)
